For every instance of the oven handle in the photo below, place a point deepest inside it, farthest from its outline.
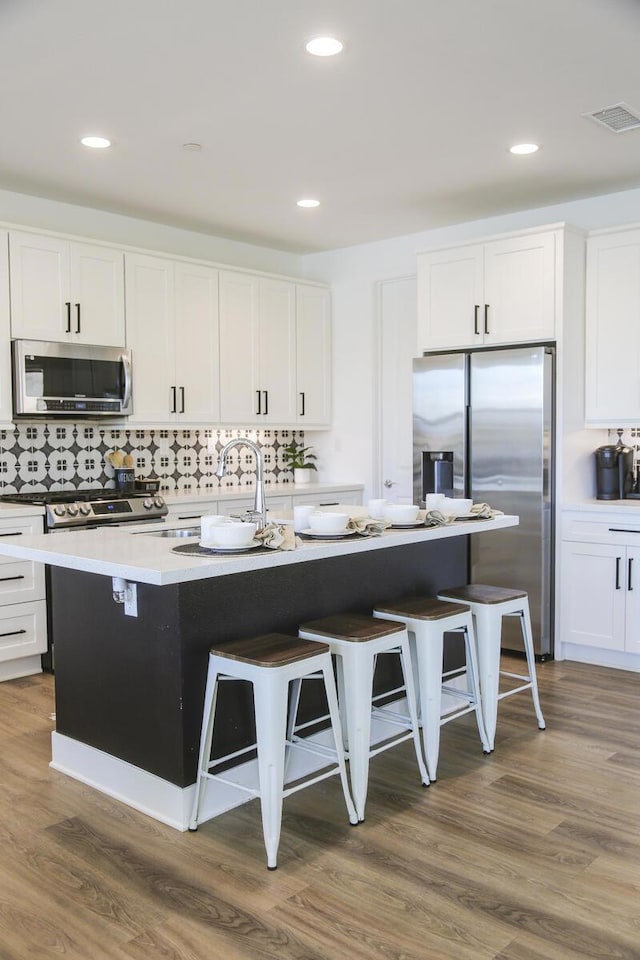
(126, 366)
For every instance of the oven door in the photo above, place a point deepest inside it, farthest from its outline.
(68, 379)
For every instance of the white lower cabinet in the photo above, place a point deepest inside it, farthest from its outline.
(600, 587)
(23, 614)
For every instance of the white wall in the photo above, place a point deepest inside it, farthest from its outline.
(23, 210)
(347, 452)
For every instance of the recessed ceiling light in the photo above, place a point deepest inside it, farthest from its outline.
(98, 143)
(308, 203)
(192, 147)
(324, 46)
(522, 149)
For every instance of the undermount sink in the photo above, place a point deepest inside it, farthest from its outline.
(184, 532)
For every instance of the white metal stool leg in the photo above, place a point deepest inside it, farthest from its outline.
(527, 637)
(270, 699)
(206, 738)
(488, 625)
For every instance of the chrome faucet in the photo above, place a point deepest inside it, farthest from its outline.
(259, 512)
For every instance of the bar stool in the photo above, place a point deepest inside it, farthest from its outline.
(489, 605)
(269, 663)
(427, 621)
(356, 640)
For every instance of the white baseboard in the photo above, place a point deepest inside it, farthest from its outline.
(165, 801)
(22, 667)
(600, 656)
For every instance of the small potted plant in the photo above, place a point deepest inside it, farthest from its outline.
(300, 460)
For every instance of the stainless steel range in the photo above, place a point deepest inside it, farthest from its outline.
(88, 509)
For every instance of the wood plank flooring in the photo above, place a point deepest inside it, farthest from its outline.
(532, 853)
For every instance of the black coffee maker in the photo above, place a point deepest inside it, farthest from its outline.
(614, 472)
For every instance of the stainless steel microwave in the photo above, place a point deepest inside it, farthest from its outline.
(70, 380)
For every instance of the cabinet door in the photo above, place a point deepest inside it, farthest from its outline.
(632, 573)
(238, 299)
(450, 298)
(5, 332)
(519, 289)
(612, 388)
(196, 343)
(150, 312)
(40, 292)
(277, 351)
(97, 291)
(593, 595)
(313, 356)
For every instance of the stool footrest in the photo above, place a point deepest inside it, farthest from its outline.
(388, 744)
(510, 693)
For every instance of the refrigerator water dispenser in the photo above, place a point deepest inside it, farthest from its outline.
(437, 472)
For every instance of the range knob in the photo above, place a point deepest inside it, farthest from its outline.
(59, 510)
(147, 503)
(158, 502)
(72, 509)
(85, 509)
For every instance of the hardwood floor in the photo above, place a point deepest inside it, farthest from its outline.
(532, 853)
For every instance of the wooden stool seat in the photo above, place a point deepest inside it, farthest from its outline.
(422, 608)
(268, 650)
(351, 627)
(488, 606)
(482, 593)
(270, 663)
(356, 641)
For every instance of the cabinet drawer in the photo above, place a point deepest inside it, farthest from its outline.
(614, 530)
(21, 581)
(23, 630)
(17, 528)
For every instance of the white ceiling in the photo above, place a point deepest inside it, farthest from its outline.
(406, 131)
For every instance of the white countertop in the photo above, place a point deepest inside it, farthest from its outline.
(627, 507)
(10, 510)
(134, 553)
(247, 491)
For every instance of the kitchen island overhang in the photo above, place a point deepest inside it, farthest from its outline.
(129, 689)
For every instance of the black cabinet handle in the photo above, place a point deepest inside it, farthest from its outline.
(68, 306)
(13, 633)
(21, 577)
(12, 533)
(302, 398)
(629, 566)
(618, 573)
(266, 401)
(486, 318)
(174, 399)
(181, 399)
(475, 319)
(259, 410)
(77, 318)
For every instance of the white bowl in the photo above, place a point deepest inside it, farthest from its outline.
(238, 534)
(434, 501)
(328, 522)
(401, 512)
(456, 506)
(208, 521)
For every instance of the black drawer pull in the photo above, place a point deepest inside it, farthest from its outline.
(13, 633)
(15, 533)
(334, 504)
(621, 530)
(20, 576)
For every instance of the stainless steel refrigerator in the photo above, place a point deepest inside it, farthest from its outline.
(494, 410)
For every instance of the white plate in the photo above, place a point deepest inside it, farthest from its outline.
(414, 523)
(207, 545)
(327, 536)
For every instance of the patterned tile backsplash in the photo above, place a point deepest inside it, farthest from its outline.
(68, 456)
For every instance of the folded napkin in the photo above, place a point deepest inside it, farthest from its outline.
(484, 512)
(277, 536)
(367, 525)
(435, 518)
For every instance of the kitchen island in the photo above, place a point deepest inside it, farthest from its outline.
(130, 678)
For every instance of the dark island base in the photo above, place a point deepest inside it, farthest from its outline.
(134, 687)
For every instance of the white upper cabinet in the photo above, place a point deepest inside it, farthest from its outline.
(274, 352)
(612, 382)
(493, 293)
(313, 356)
(172, 331)
(5, 333)
(66, 291)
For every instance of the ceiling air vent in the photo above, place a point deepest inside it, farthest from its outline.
(619, 118)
